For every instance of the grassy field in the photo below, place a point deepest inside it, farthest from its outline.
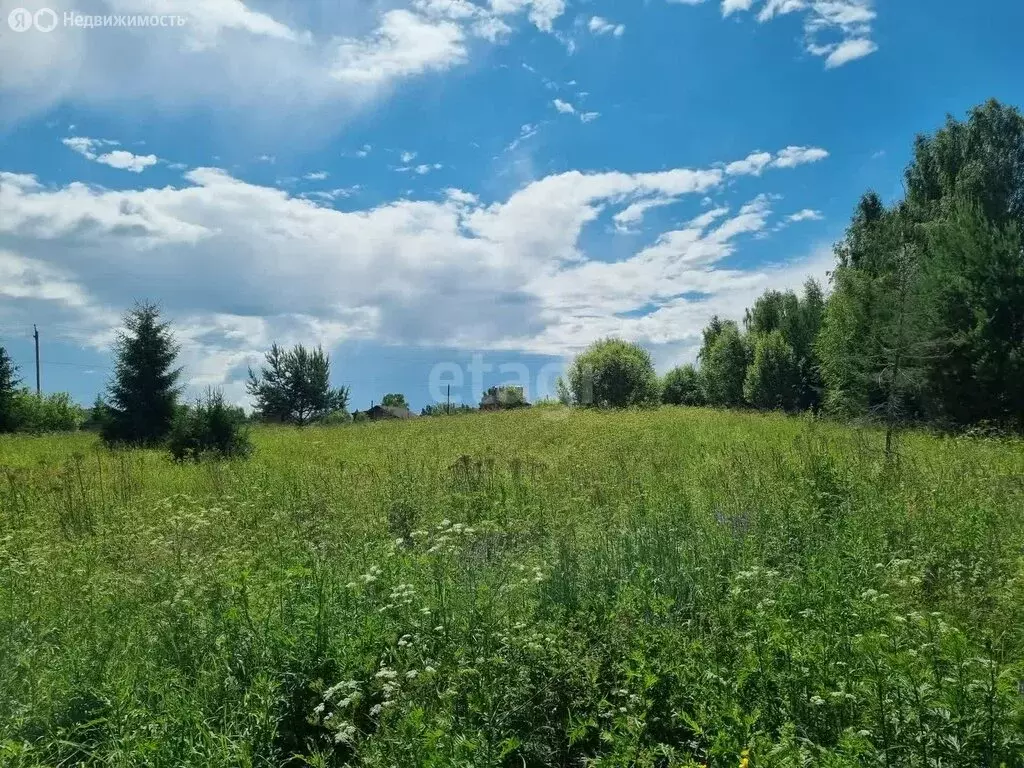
(670, 588)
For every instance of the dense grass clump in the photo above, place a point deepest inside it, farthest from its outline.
(542, 587)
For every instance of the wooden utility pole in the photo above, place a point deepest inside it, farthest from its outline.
(35, 335)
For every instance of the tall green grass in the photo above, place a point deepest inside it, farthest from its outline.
(669, 588)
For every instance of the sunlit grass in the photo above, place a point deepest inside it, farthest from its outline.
(546, 587)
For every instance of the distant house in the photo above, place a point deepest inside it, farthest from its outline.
(383, 412)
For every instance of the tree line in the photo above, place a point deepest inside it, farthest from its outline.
(924, 322)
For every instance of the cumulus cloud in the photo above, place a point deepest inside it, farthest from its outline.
(755, 163)
(116, 158)
(511, 273)
(790, 157)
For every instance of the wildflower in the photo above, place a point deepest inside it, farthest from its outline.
(351, 585)
(745, 758)
(375, 710)
(412, 674)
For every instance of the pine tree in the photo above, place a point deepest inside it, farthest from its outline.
(9, 382)
(143, 396)
(294, 387)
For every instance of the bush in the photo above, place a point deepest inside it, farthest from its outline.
(682, 386)
(209, 429)
(611, 373)
(52, 413)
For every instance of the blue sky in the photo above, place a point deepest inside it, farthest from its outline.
(446, 191)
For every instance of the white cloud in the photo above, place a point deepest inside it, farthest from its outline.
(512, 273)
(564, 107)
(732, 6)
(773, 8)
(422, 169)
(233, 58)
(824, 21)
(634, 213)
(807, 214)
(850, 50)
(752, 165)
(601, 26)
(404, 44)
(316, 176)
(790, 157)
(118, 158)
(408, 157)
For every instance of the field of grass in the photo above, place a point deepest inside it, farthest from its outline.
(670, 588)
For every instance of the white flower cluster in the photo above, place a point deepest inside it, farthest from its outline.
(344, 731)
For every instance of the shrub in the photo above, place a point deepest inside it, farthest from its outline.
(210, 429)
(336, 418)
(611, 373)
(52, 413)
(682, 386)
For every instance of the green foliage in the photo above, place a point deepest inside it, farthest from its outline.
(723, 363)
(980, 160)
(503, 398)
(925, 320)
(798, 320)
(143, 396)
(9, 382)
(97, 416)
(974, 281)
(394, 400)
(294, 387)
(682, 386)
(51, 413)
(773, 378)
(444, 409)
(209, 429)
(612, 373)
(670, 588)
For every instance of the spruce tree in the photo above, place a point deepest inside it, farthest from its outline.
(143, 396)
